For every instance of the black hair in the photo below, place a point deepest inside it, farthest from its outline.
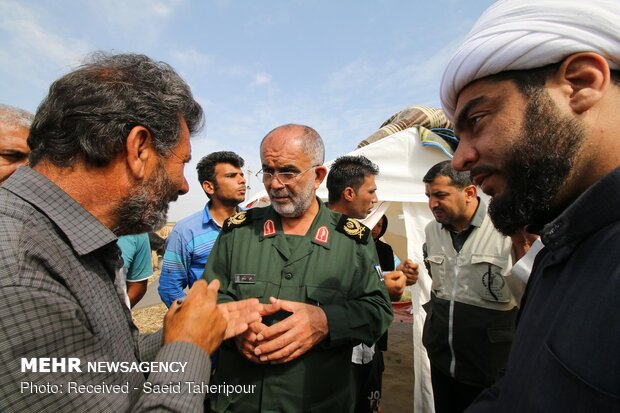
(348, 171)
(460, 179)
(206, 166)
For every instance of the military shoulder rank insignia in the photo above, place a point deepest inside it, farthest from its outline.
(352, 228)
(238, 220)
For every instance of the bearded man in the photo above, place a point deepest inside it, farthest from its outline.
(317, 267)
(108, 147)
(534, 91)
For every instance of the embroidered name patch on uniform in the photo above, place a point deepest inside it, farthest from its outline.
(245, 278)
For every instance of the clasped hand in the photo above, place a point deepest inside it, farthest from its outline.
(287, 339)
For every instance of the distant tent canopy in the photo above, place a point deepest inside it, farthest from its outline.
(434, 128)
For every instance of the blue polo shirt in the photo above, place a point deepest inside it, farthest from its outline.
(187, 248)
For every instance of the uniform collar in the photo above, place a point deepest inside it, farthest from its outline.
(319, 233)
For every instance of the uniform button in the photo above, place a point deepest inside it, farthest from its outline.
(288, 275)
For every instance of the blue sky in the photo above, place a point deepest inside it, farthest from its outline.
(342, 67)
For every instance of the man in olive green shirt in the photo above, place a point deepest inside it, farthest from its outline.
(321, 275)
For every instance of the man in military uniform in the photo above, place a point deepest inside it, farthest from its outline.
(321, 275)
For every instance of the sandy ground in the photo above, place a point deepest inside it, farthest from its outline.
(398, 374)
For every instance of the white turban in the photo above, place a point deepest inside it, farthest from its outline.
(526, 34)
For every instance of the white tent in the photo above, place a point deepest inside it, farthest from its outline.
(403, 160)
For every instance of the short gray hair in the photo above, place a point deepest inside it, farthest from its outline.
(15, 117)
(311, 142)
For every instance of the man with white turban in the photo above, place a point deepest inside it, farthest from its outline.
(534, 91)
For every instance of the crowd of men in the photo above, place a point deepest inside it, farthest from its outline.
(295, 298)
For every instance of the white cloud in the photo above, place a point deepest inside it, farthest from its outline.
(30, 33)
(261, 79)
(126, 11)
(163, 9)
(120, 17)
(192, 61)
(34, 51)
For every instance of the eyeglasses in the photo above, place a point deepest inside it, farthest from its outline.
(285, 178)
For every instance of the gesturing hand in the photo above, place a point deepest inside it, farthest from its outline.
(410, 269)
(199, 320)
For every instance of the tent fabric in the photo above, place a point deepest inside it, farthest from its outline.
(403, 159)
(419, 115)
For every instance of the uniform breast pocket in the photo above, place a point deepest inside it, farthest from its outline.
(438, 271)
(323, 295)
(241, 291)
(489, 282)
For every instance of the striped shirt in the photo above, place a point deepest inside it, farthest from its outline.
(187, 248)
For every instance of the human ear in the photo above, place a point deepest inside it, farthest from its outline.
(471, 192)
(139, 150)
(320, 174)
(348, 194)
(208, 187)
(586, 77)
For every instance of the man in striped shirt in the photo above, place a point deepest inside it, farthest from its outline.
(189, 244)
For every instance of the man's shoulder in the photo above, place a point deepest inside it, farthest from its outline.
(245, 218)
(191, 221)
(352, 228)
(16, 217)
(432, 224)
(26, 236)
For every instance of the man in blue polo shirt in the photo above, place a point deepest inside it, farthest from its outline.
(189, 244)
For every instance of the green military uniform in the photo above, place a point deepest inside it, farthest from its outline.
(332, 266)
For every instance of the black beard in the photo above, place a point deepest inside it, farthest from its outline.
(536, 167)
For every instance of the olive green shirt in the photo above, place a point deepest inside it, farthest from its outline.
(333, 266)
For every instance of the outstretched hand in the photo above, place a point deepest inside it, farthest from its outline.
(239, 315)
(199, 320)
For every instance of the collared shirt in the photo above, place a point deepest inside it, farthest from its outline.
(187, 248)
(459, 238)
(58, 268)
